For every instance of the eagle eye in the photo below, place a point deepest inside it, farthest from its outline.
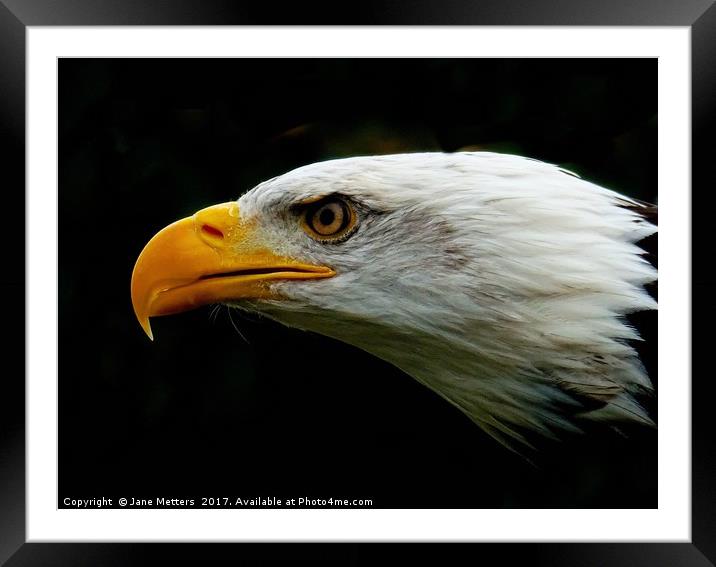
(329, 220)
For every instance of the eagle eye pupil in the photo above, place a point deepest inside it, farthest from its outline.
(326, 217)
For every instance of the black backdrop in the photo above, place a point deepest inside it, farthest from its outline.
(203, 412)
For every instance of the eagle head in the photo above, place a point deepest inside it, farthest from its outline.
(500, 282)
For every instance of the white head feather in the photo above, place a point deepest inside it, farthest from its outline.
(498, 281)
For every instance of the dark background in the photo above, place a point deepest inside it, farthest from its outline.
(201, 411)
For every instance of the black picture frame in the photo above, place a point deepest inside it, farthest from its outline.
(16, 15)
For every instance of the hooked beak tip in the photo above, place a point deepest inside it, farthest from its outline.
(146, 326)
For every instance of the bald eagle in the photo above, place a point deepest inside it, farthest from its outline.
(500, 282)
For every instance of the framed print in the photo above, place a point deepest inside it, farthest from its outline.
(366, 160)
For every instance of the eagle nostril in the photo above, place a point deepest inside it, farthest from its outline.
(211, 231)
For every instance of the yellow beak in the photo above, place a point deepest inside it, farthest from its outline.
(209, 257)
